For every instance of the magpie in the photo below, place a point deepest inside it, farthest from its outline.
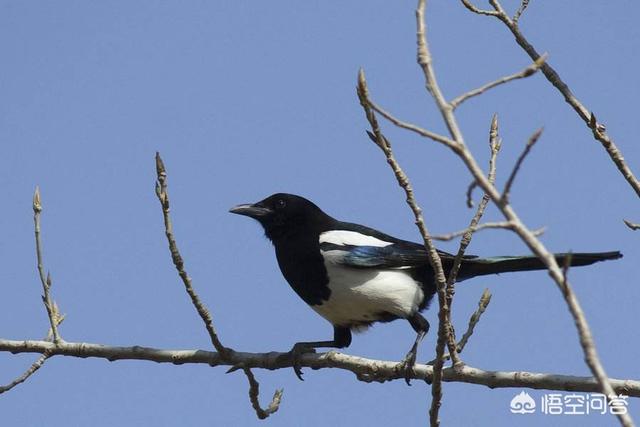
(354, 276)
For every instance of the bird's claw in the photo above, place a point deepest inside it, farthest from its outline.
(295, 354)
(407, 365)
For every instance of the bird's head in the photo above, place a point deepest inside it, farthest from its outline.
(283, 215)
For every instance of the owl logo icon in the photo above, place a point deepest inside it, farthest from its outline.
(522, 404)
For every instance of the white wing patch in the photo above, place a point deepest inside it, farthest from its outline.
(353, 238)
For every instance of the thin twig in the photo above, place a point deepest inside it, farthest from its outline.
(477, 10)
(598, 130)
(45, 280)
(469, 193)
(405, 184)
(483, 303)
(485, 299)
(584, 332)
(494, 147)
(424, 60)
(205, 315)
(409, 126)
(631, 225)
(487, 225)
(254, 394)
(582, 326)
(512, 176)
(520, 11)
(526, 72)
(30, 371)
(369, 369)
(444, 329)
(40, 361)
(505, 225)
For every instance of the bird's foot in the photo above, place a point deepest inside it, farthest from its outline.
(408, 363)
(294, 355)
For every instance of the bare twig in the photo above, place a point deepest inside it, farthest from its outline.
(484, 226)
(520, 11)
(431, 84)
(487, 225)
(459, 147)
(40, 361)
(527, 236)
(254, 393)
(45, 280)
(409, 126)
(485, 299)
(477, 10)
(405, 184)
(494, 146)
(598, 130)
(469, 193)
(32, 369)
(528, 71)
(512, 176)
(366, 369)
(205, 315)
(631, 225)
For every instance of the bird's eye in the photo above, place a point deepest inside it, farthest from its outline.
(280, 203)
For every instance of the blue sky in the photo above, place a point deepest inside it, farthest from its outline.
(244, 99)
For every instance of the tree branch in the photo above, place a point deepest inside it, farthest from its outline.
(598, 130)
(205, 315)
(485, 299)
(484, 226)
(405, 184)
(528, 71)
(494, 146)
(584, 332)
(51, 307)
(520, 11)
(254, 393)
(366, 369)
(410, 126)
(30, 371)
(516, 168)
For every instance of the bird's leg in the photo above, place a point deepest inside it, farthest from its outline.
(421, 326)
(341, 339)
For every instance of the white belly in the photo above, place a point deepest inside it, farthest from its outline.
(362, 295)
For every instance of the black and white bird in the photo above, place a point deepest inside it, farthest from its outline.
(354, 276)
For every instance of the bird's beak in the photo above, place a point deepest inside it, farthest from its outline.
(252, 210)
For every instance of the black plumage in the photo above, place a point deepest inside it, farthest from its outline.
(354, 275)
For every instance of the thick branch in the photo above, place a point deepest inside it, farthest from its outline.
(365, 369)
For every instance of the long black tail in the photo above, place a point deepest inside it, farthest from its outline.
(472, 267)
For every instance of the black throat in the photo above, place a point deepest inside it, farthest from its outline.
(298, 253)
